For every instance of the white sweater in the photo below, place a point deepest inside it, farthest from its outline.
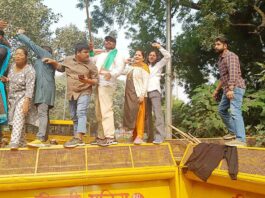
(156, 71)
(140, 79)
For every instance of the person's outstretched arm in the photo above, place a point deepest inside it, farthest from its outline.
(39, 51)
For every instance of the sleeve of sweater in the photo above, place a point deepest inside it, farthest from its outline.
(164, 60)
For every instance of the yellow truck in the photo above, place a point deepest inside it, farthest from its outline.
(125, 171)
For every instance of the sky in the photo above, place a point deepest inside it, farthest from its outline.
(72, 15)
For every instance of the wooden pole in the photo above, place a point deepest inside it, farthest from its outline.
(189, 137)
(88, 20)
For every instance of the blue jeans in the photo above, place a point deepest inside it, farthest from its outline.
(233, 119)
(78, 112)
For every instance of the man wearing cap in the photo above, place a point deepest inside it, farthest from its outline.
(110, 64)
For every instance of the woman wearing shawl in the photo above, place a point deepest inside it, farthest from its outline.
(21, 78)
(135, 93)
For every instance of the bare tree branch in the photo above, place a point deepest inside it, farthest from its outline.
(262, 14)
(244, 24)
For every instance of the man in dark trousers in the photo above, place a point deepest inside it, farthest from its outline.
(44, 89)
(233, 87)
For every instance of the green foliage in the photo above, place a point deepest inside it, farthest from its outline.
(202, 21)
(254, 110)
(31, 15)
(66, 38)
(199, 117)
(61, 107)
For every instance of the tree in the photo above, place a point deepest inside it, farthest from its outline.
(85, 4)
(202, 21)
(199, 117)
(66, 38)
(32, 15)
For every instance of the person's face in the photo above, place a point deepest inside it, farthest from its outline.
(20, 57)
(83, 55)
(152, 57)
(138, 57)
(219, 47)
(109, 45)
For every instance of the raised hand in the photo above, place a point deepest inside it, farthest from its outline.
(156, 45)
(21, 31)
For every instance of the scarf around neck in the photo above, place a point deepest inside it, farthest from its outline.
(110, 59)
(142, 65)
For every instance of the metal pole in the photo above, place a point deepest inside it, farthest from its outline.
(64, 103)
(168, 114)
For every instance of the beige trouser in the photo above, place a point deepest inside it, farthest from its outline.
(104, 111)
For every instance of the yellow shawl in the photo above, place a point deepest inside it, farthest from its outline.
(142, 65)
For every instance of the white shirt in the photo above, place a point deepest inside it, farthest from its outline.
(156, 71)
(115, 69)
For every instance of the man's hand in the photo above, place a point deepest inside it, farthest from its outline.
(156, 45)
(141, 99)
(49, 61)
(52, 62)
(4, 79)
(3, 24)
(91, 46)
(21, 31)
(25, 107)
(215, 94)
(230, 95)
(84, 80)
(129, 61)
(107, 76)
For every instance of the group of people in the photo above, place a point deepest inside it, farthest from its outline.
(31, 91)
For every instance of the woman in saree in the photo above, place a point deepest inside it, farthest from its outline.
(5, 54)
(135, 94)
(21, 79)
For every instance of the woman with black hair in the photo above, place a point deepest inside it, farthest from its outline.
(21, 79)
(135, 97)
(154, 94)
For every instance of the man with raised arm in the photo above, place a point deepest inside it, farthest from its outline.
(44, 88)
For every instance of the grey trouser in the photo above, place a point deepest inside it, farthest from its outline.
(43, 114)
(154, 104)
